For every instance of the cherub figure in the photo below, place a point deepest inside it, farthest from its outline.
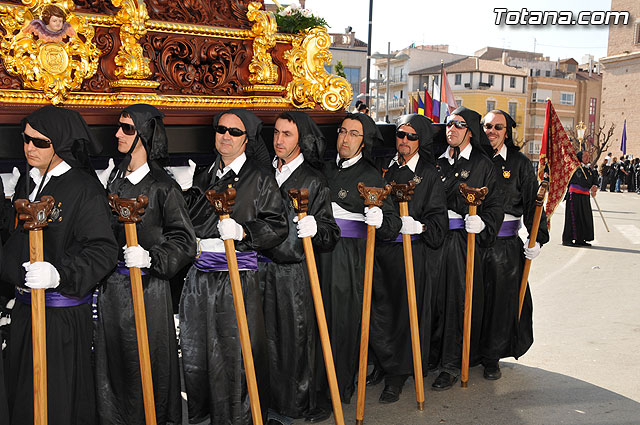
(52, 27)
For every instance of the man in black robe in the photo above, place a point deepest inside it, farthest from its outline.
(166, 243)
(342, 270)
(427, 224)
(502, 334)
(464, 161)
(213, 367)
(79, 250)
(4, 320)
(578, 217)
(288, 305)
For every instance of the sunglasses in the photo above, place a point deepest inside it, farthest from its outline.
(235, 132)
(38, 143)
(496, 126)
(353, 133)
(128, 129)
(458, 124)
(410, 136)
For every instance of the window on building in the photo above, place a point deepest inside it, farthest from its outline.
(592, 106)
(513, 108)
(547, 73)
(353, 76)
(491, 105)
(534, 147)
(458, 79)
(540, 95)
(491, 79)
(512, 82)
(567, 98)
(567, 123)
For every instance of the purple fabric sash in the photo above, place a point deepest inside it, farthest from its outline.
(456, 223)
(399, 238)
(263, 259)
(509, 228)
(217, 261)
(123, 269)
(352, 228)
(574, 188)
(53, 299)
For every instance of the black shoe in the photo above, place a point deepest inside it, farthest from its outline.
(570, 244)
(444, 381)
(492, 372)
(375, 377)
(390, 394)
(583, 243)
(318, 414)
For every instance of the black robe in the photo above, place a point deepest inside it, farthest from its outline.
(292, 339)
(448, 315)
(342, 270)
(4, 408)
(79, 242)
(502, 334)
(212, 361)
(390, 339)
(578, 217)
(166, 232)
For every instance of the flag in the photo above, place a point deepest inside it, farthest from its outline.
(557, 158)
(435, 114)
(428, 103)
(623, 142)
(448, 104)
(420, 107)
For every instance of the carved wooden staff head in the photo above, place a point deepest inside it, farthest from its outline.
(472, 195)
(402, 192)
(128, 210)
(299, 199)
(34, 214)
(373, 196)
(222, 201)
(542, 191)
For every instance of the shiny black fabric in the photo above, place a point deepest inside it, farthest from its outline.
(212, 360)
(310, 138)
(448, 314)
(288, 304)
(166, 232)
(578, 216)
(390, 337)
(80, 244)
(502, 334)
(342, 270)
(147, 120)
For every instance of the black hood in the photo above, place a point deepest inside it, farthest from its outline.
(148, 122)
(425, 129)
(310, 138)
(256, 148)
(511, 124)
(372, 136)
(479, 139)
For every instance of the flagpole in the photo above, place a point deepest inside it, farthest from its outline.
(441, 88)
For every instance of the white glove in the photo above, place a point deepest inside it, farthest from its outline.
(103, 175)
(373, 216)
(473, 224)
(307, 227)
(136, 256)
(41, 275)
(229, 229)
(410, 226)
(183, 175)
(531, 253)
(9, 181)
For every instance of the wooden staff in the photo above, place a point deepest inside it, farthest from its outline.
(600, 211)
(542, 191)
(35, 215)
(300, 201)
(130, 212)
(473, 197)
(402, 194)
(223, 204)
(373, 197)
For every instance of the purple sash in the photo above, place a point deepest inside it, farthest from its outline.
(399, 238)
(217, 261)
(122, 269)
(263, 259)
(352, 228)
(509, 228)
(574, 188)
(53, 299)
(456, 223)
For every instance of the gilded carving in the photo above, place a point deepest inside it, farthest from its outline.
(311, 83)
(262, 69)
(49, 47)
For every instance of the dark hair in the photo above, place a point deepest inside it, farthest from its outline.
(285, 116)
(362, 107)
(51, 10)
(125, 114)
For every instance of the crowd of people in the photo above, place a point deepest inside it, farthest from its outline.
(616, 173)
(93, 367)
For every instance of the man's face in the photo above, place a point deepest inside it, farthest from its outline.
(126, 140)
(285, 139)
(38, 157)
(496, 137)
(404, 146)
(586, 157)
(230, 147)
(457, 136)
(350, 138)
(55, 23)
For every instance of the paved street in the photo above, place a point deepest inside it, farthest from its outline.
(584, 366)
